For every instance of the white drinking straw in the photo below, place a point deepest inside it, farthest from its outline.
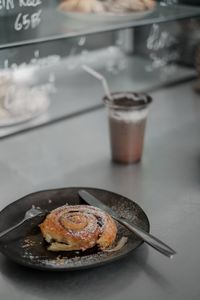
(99, 77)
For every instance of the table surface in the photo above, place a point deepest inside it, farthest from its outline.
(165, 184)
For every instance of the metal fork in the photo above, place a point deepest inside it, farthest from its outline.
(30, 214)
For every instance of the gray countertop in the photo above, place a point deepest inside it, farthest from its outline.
(166, 185)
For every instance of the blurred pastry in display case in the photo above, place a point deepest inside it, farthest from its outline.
(197, 66)
(113, 6)
(4, 85)
(120, 6)
(20, 102)
(82, 6)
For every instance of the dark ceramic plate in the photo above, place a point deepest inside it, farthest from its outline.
(29, 248)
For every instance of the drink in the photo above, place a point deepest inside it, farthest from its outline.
(127, 122)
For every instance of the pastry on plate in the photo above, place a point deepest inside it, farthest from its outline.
(78, 227)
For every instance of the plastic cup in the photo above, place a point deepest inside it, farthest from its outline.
(127, 115)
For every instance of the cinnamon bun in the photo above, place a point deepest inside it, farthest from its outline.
(78, 227)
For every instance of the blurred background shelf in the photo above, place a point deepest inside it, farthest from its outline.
(55, 25)
(68, 101)
(143, 54)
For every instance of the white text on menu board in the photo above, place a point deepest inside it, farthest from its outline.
(24, 21)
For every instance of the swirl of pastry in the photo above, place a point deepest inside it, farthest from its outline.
(78, 227)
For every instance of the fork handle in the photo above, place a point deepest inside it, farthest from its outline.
(148, 238)
(5, 232)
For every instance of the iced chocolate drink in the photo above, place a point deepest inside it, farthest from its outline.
(127, 121)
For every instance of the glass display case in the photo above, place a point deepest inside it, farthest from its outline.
(42, 49)
(44, 21)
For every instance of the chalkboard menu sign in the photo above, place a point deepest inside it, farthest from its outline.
(26, 14)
